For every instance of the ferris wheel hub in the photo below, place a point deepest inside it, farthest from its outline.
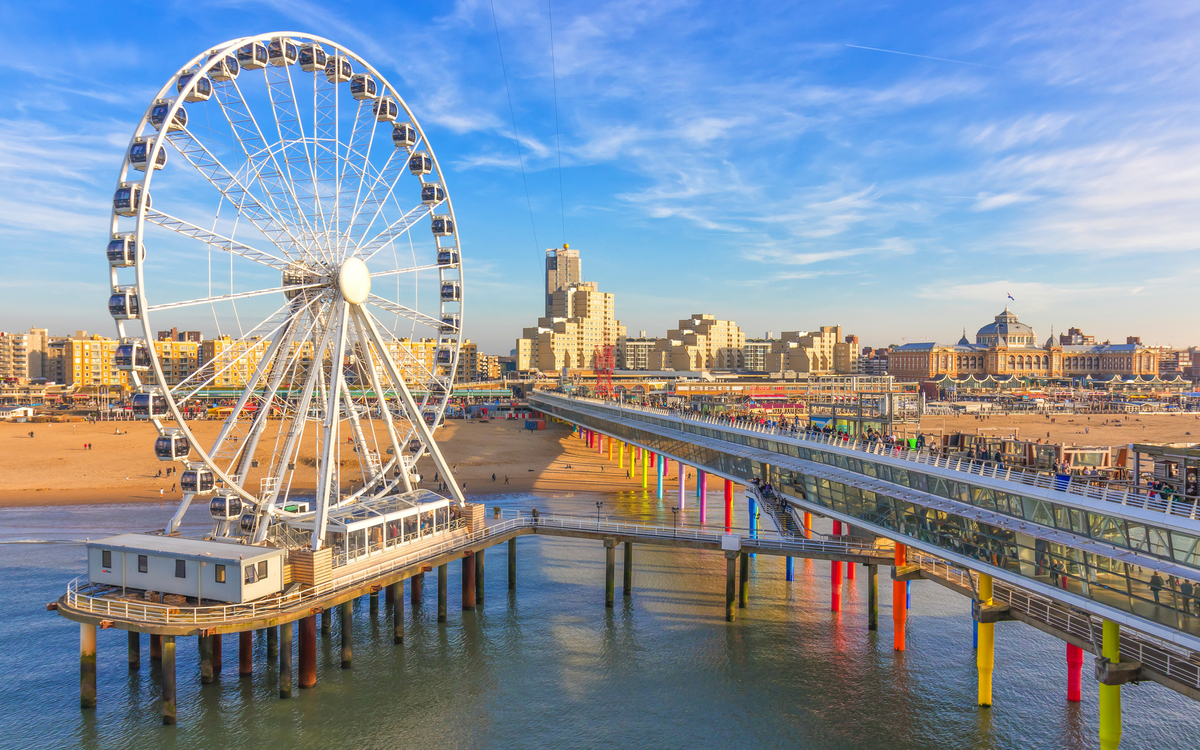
(354, 281)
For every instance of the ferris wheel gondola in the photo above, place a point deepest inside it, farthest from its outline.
(299, 245)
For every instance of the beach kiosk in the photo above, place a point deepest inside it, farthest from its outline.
(195, 568)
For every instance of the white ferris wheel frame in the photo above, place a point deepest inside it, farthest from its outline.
(349, 314)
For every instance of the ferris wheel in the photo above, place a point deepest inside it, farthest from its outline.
(280, 189)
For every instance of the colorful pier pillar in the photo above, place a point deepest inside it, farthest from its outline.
(87, 665)
(728, 506)
(659, 469)
(682, 488)
(642, 457)
(1110, 695)
(753, 508)
(610, 446)
(621, 455)
(789, 568)
(807, 525)
(835, 576)
(702, 492)
(899, 596)
(985, 653)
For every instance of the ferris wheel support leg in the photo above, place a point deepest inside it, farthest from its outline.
(410, 406)
(330, 448)
(295, 430)
(373, 374)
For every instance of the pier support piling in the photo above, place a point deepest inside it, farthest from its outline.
(308, 652)
(468, 582)
(442, 571)
(155, 648)
(1110, 695)
(87, 665)
(899, 600)
(374, 607)
(216, 655)
(1074, 673)
(610, 571)
(327, 621)
(728, 506)
(389, 595)
(789, 569)
(416, 587)
(206, 659)
(985, 653)
(730, 584)
(479, 577)
(872, 597)
(272, 643)
(135, 650)
(659, 470)
(807, 525)
(835, 576)
(744, 581)
(245, 653)
(702, 492)
(285, 660)
(166, 644)
(512, 564)
(627, 569)
(396, 593)
(347, 611)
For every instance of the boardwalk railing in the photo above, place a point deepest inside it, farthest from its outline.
(1175, 662)
(99, 599)
(1136, 497)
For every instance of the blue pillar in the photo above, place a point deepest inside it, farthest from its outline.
(791, 568)
(974, 633)
(908, 594)
(753, 521)
(658, 465)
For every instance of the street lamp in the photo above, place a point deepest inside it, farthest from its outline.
(675, 522)
(598, 506)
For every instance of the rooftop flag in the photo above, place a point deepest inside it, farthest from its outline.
(1012, 298)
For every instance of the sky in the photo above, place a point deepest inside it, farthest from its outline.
(899, 169)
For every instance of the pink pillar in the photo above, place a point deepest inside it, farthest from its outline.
(1074, 665)
(702, 480)
(728, 506)
(682, 490)
(835, 576)
(599, 443)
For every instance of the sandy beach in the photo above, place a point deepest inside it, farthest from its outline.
(54, 468)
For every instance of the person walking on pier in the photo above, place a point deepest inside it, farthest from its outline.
(1156, 584)
(1186, 590)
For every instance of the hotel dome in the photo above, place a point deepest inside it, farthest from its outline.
(1007, 330)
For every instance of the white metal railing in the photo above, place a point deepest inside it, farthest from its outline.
(84, 596)
(1162, 656)
(1135, 497)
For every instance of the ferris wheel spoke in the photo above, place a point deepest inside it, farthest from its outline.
(189, 387)
(372, 355)
(368, 250)
(407, 359)
(220, 242)
(210, 168)
(261, 161)
(235, 296)
(292, 144)
(330, 446)
(414, 315)
(354, 173)
(411, 269)
(325, 152)
(415, 416)
(371, 206)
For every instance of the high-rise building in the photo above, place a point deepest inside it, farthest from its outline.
(635, 353)
(22, 354)
(177, 335)
(812, 352)
(755, 353)
(562, 270)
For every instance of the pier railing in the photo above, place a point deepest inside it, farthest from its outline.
(1164, 657)
(1091, 488)
(100, 600)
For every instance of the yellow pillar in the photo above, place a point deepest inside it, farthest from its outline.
(610, 442)
(984, 656)
(621, 454)
(645, 463)
(1110, 695)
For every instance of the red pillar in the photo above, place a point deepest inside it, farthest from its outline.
(849, 566)
(308, 651)
(1074, 665)
(653, 458)
(899, 600)
(807, 525)
(728, 506)
(245, 653)
(835, 576)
